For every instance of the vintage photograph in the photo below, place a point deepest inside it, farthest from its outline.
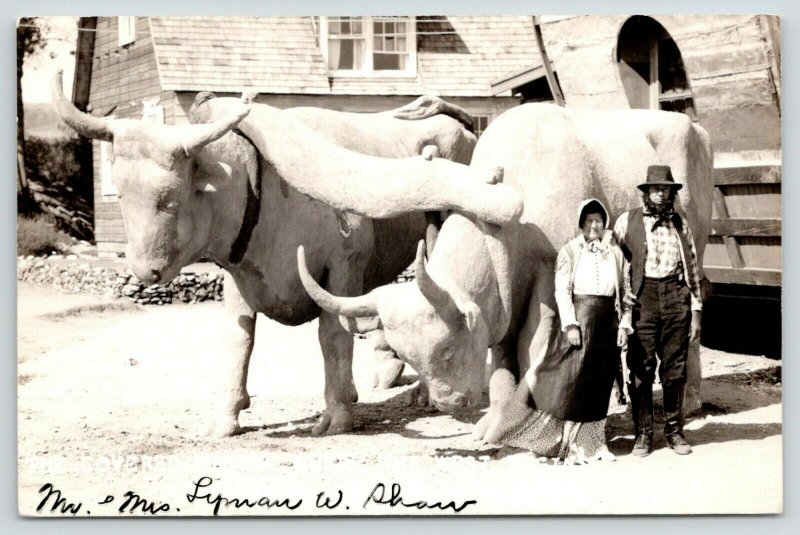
(399, 265)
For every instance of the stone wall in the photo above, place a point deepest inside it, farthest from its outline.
(72, 275)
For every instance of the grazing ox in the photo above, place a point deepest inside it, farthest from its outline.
(243, 199)
(492, 287)
(431, 124)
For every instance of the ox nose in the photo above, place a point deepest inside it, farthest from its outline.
(150, 274)
(154, 276)
(460, 400)
(453, 402)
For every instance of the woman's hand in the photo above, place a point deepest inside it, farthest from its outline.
(574, 335)
(622, 337)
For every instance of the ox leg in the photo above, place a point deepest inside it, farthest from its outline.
(340, 391)
(239, 337)
(388, 367)
(510, 406)
(540, 324)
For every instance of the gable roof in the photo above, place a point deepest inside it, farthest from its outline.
(457, 56)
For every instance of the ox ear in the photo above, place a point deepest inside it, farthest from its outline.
(471, 314)
(360, 325)
(210, 174)
(200, 135)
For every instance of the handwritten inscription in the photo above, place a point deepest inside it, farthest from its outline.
(395, 499)
(57, 501)
(219, 500)
(390, 496)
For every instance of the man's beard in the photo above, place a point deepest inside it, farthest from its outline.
(652, 208)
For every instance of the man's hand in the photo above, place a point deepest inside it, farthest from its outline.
(695, 331)
(630, 300)
(622, 337)
(574, 335)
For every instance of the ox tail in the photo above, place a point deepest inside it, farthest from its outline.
(352, 307)
(430, 105)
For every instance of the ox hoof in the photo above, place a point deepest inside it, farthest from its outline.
(388, 373)
(244, 403)
(418, 396)
(224, 427)
(508, 408)
(333, 423)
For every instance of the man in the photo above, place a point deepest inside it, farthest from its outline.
(665, 284)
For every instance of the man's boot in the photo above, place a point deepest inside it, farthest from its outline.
(673, 416)
(642, 412)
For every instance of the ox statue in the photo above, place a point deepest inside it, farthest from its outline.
(247, 198)
(486, 286)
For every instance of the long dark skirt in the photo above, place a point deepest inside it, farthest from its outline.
(574, 382)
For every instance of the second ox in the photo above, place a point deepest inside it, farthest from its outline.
(486, 286)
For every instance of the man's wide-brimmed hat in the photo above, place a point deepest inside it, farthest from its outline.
(659, 175)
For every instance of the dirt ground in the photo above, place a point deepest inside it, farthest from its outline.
(113, 400)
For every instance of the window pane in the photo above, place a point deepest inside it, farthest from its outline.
(377, 27)
(389, 27)
(401, 44)
(401, 27)
(671, 72)
(683, 105)
(345, 26)
(388, 62)
(389, 44)
(356, 26)
(333, 26)
(377, 43)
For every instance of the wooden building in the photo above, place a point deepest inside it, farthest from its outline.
(152, 68)
(723, 71)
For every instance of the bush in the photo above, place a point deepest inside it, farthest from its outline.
(39, 236)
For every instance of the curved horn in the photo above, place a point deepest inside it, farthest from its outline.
(344, 306)
(436, 295)
(201, 135)
(448, 305)
(83, 123)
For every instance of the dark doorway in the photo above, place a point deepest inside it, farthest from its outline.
(651, 68)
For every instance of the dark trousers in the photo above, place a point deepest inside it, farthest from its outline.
(662, 324)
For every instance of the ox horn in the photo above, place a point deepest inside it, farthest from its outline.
(201, 135)
(449, 306)
(343, 306)
(83, 123)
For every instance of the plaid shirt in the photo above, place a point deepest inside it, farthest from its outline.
(663, 249)
(664, 254)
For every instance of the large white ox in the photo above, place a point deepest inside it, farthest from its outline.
(239, 198)
(486, 286)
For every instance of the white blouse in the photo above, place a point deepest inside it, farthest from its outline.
(596, 273)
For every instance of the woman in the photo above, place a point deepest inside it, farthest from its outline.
(574, 380)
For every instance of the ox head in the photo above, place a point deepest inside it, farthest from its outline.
(434, 327)
(165, 211)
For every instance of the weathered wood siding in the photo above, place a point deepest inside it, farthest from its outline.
(122, 77)
(729, 62)
(732, 64)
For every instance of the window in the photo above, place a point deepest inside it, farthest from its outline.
(479, 124)
(127, 30)
(652, 69)
(369, 46)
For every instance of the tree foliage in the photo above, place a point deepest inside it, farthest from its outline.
(30, 38)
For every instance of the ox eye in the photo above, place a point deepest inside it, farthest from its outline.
(170, 205)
